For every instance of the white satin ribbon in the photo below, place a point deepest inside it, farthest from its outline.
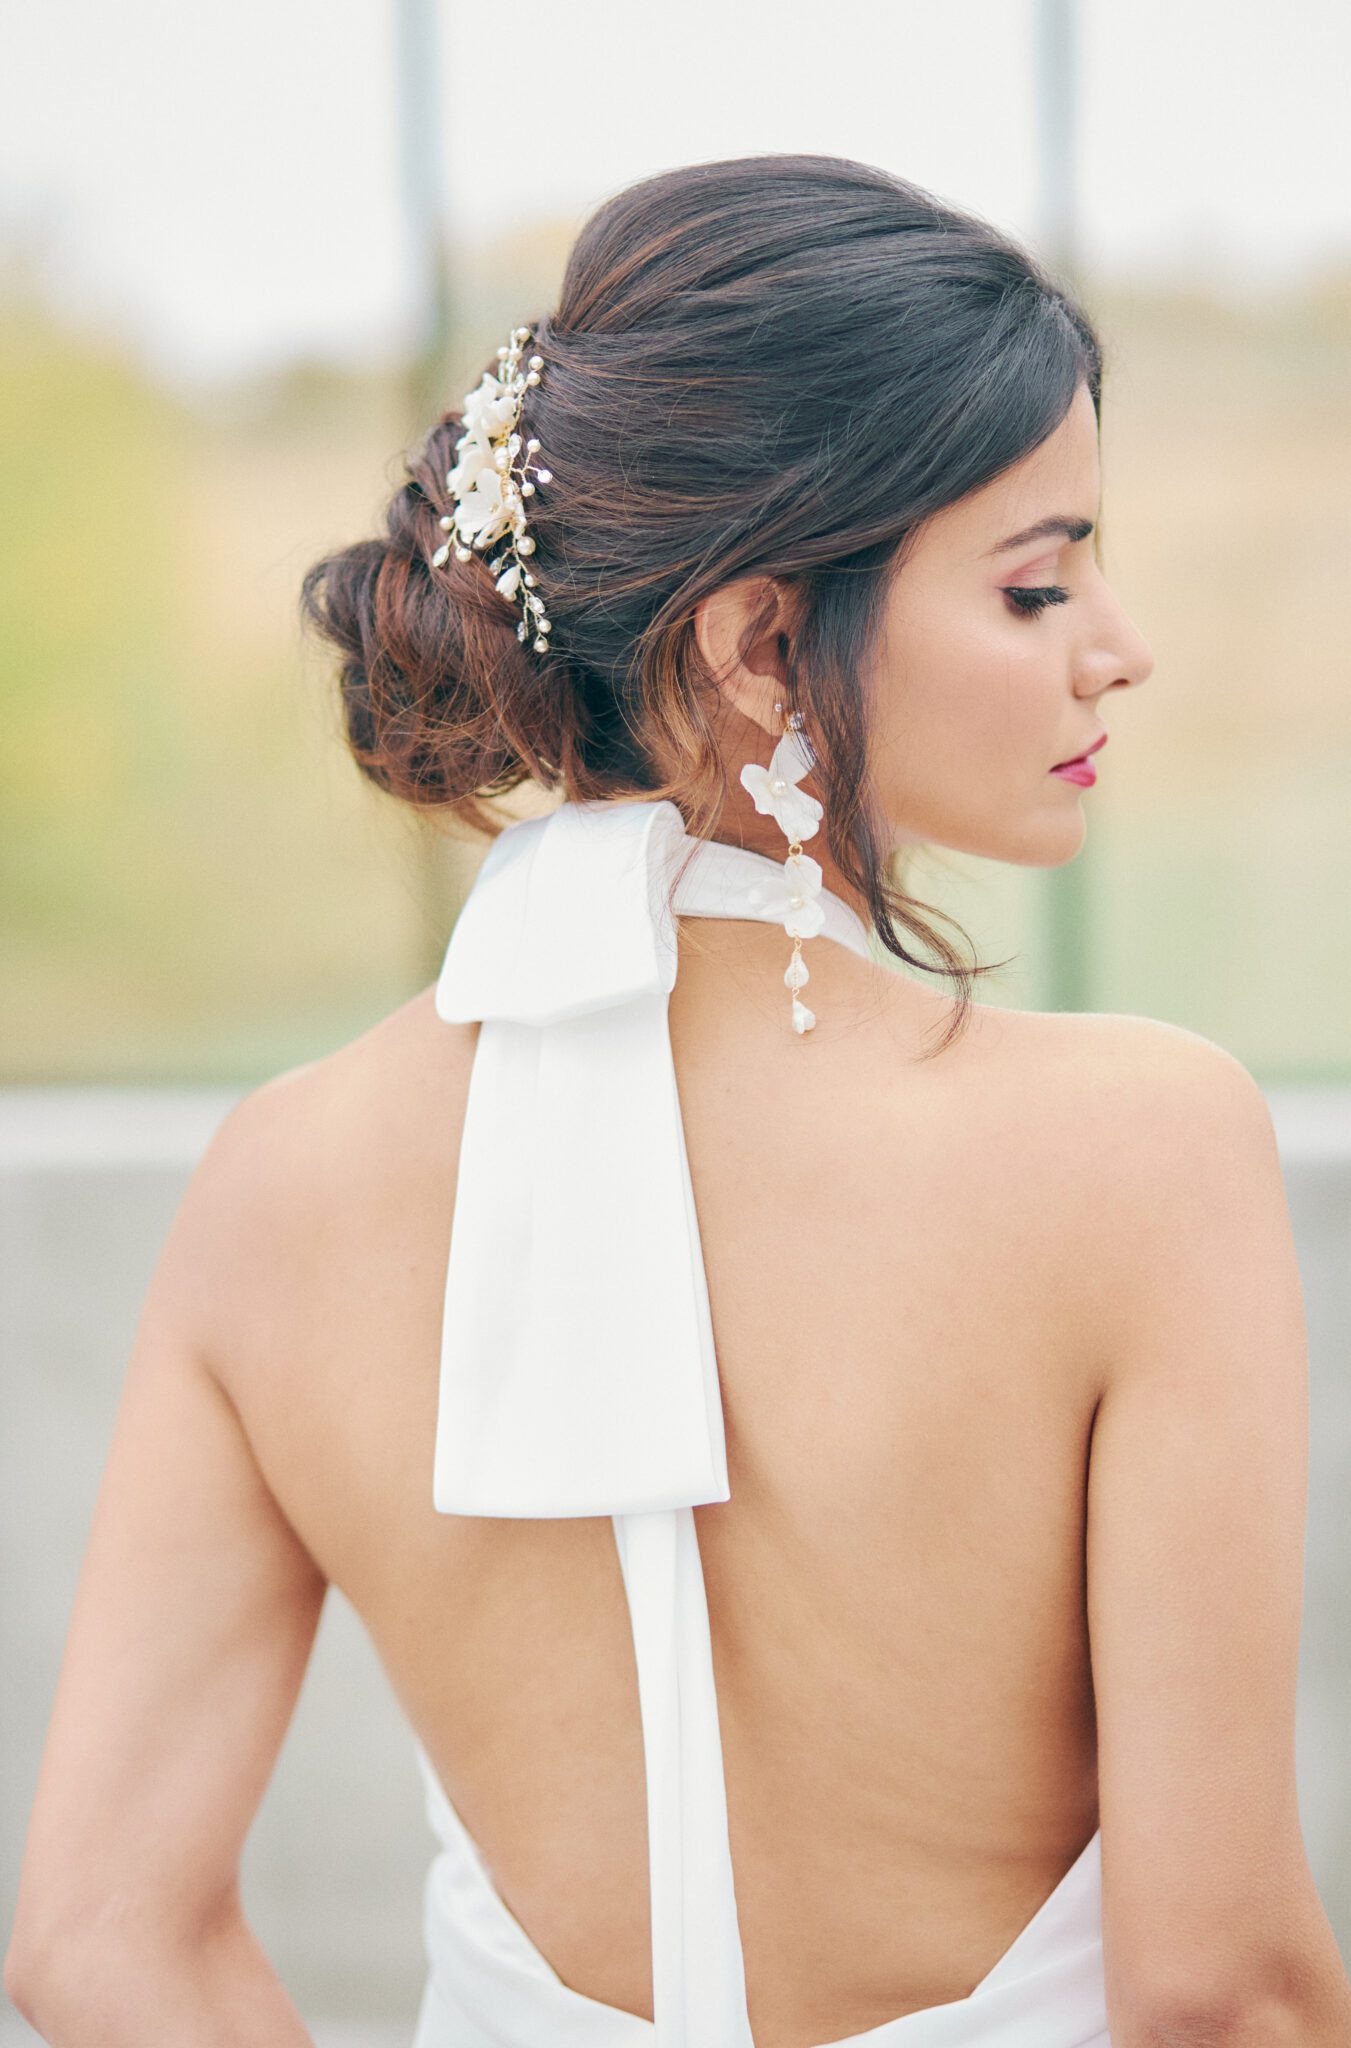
(578, 1374)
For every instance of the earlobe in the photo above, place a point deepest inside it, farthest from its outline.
(754, 696)
(750, 681)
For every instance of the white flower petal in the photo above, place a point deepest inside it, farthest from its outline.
(480, 514)
(792, 757)
(475, 456)
(806, 920)
(798, 814)
(803, 874)
(755, 779)
(488, 408)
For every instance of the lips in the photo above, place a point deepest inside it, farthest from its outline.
(1074, 759)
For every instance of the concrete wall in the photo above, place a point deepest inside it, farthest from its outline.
(333, 1869)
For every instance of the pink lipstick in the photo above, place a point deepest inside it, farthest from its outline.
(1081, 770)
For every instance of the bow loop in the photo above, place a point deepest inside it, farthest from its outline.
(570, 913)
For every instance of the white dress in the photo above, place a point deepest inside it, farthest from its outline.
(574, 1230)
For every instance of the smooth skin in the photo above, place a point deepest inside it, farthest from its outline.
(1015, 1373)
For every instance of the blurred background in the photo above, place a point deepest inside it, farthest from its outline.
(246, 256)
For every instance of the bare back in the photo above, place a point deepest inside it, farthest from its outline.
(894, 1250)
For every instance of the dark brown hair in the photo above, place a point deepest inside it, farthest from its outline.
(776, 365)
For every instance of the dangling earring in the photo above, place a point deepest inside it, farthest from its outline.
(795, 897)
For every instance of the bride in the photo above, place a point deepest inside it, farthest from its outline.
(821, 1459)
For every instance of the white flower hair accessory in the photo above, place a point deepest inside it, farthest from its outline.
(489, 486)
(795, 895)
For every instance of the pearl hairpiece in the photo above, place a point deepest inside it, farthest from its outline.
(489, 486)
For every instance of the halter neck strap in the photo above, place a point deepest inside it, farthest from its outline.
(572, 912)
(578, 1374)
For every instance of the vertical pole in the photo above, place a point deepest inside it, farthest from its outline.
(1057, 91)
(422, 188)
(1066, 889)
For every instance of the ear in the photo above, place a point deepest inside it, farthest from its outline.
(740, 630)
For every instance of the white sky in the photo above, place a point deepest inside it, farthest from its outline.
(222, 184)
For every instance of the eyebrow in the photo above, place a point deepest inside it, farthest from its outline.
(1073, 529)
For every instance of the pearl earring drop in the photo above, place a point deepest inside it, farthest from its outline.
(795, 896)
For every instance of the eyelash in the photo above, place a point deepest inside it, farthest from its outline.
(1027, 599)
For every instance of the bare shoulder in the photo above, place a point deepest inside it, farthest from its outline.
(1095, 1041)
(286, 1135)
(1116, 1142)
(1173, 1117)
(1100, 1099)
(322, 1156)
(1137, 1085)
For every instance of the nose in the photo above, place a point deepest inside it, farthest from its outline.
(1122, 656)
(1137, 661)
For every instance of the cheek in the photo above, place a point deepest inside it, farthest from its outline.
(961, 705)
(967, 683)
(1016, 682)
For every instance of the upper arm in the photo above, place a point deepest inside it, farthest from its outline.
(1196, 1517)
(192, 1624)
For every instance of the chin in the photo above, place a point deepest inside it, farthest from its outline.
(1048, 845)
(1044, 843)
(1017, 832)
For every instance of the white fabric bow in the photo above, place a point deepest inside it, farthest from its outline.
(578, 1374)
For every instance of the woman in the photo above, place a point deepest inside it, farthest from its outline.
(832, 1507)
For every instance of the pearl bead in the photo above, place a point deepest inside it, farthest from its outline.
(778, 785)
(544, 476)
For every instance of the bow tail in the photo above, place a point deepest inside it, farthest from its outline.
(578, 1374)
(698, 1974)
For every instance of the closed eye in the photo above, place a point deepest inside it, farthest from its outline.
(1027, 599)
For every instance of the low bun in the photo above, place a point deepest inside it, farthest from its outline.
(441, 701)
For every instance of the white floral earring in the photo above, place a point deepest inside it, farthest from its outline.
(795, 896)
